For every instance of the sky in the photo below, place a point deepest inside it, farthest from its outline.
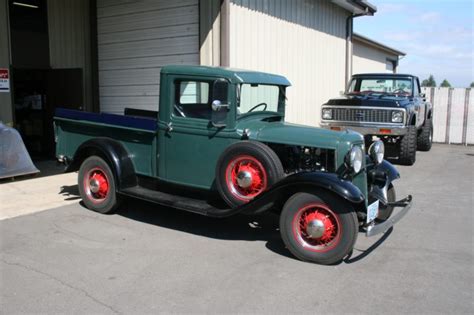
(436, 35)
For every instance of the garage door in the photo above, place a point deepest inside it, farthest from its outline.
(137, 38)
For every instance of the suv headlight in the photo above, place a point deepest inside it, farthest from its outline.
(377, 151)
(397, 116)
(354, 159)
(327, 113)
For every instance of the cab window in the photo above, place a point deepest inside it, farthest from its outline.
(192, 99)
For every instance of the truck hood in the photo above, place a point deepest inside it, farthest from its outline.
(293, 134)
(373, 101)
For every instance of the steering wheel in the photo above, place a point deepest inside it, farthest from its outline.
(399, 91)
(256, 106)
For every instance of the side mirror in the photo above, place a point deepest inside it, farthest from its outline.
(220, 104)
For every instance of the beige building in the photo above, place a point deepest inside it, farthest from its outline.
(106, 55)
(371, 56)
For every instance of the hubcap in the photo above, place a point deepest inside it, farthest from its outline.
(96, 185)
(316, 227)
(246, 178)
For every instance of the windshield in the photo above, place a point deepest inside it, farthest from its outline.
(366, 86)
(260, 98)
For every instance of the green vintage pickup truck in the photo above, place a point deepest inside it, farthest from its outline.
(219, 146)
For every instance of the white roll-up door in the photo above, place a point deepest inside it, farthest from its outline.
(137, 38)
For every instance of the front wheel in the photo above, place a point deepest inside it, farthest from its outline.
(318, 228)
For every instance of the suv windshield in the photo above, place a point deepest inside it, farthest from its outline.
(260, 98)
(366, 86)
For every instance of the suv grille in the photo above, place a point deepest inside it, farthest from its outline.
(364, 115)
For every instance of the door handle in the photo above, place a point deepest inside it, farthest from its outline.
(169, 127)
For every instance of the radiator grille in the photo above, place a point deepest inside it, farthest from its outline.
(363, 115)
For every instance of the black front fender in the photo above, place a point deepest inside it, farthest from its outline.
(114, 154)
(303, 182)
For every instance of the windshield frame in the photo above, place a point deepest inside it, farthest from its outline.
(359, 79)
(281, 101)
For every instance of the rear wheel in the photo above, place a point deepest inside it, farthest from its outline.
(425, 138)
(245, 170)
(407, 154)
(97, 185)
(318, 228)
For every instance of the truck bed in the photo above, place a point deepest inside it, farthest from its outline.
(136, 131)
(131, 121)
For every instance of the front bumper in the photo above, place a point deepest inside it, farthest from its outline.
(377, 228)
(367, 129)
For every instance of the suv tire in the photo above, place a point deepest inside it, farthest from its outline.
(425, 138)
(407, 154)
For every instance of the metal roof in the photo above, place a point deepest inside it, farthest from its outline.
(376, 44)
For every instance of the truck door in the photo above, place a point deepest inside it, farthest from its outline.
(191, 143)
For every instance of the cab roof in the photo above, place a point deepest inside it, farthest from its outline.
(234, 75)
(384, 75)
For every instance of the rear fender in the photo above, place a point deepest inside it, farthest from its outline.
(113, 153)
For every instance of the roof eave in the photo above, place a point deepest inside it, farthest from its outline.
(376, 44)
(362, 7)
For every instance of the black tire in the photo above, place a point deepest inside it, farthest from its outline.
(425, 138)
(386, 211)
(335, 243)
(265, 169)
(407, 154)
(95, 174)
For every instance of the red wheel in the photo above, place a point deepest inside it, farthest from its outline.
(97, 185)
(320, 228)
(246, 177)
(317, 228)
(245, 170)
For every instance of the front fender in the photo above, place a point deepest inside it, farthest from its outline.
(114, 154)
(303, 182)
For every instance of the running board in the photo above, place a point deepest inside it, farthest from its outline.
(214, 208)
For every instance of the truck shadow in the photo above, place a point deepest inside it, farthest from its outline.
(261, 228)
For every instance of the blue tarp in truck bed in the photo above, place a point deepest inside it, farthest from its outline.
(146, 123)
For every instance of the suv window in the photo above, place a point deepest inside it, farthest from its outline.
(192, 99)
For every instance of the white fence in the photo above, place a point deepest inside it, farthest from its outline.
(453, 114)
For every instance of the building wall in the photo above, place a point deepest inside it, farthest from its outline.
(6, 114)
(137, 38)
(303, 40)
(366, 59)
(69, 39)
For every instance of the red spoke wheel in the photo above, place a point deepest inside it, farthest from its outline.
(245, 170)
(320, 228)
(97, 185)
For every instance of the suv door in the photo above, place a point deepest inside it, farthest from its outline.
(420, 106)
(192, 144)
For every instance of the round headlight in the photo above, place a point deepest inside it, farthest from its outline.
(355, 159)
(377, 151)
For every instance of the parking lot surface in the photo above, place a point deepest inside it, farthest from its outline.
(149, 259)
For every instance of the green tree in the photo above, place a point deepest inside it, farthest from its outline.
(430, 82)
(472, 84)
(445, 83)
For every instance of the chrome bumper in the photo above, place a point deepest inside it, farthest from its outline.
(375, 229)
(375, 129)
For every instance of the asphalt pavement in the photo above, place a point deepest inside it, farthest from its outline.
(150, 259)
